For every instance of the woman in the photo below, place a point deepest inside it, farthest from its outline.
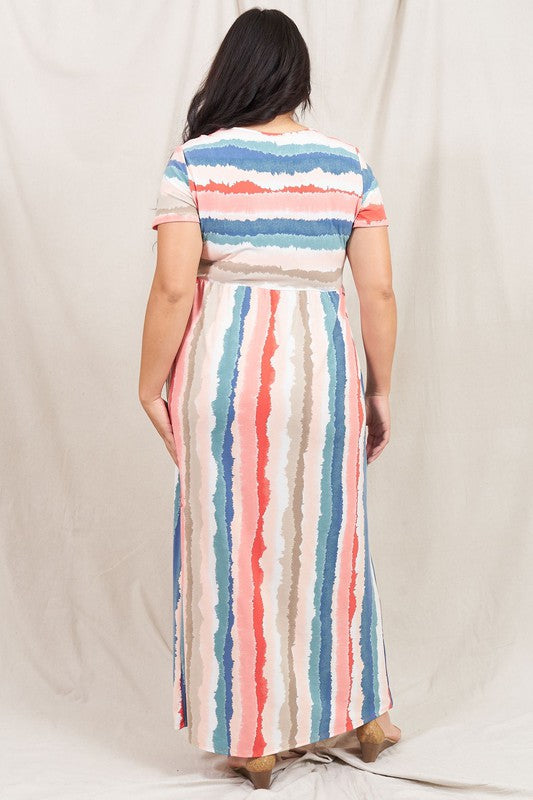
(277, 630)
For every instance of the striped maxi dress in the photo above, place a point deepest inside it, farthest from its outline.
(278, 637)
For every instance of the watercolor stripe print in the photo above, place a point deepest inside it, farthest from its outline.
(277, 635)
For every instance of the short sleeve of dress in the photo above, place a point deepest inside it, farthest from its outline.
(176, 201)
(370, 210)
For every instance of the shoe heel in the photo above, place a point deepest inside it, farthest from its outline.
(259, 771)
(370, 751)
(372, 740)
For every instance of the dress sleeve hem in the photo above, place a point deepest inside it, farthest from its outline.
(174, 218)
(375, 223)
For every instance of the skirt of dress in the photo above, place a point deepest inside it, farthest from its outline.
(278, 638)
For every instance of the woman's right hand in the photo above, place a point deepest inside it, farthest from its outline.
(159, 415)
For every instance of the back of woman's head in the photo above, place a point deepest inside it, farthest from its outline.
(261, 69)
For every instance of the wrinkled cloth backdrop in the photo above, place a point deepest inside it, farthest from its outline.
(93, 97)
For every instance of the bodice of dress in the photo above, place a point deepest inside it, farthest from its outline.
(275, 210)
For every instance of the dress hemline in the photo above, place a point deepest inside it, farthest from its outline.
(285, 746)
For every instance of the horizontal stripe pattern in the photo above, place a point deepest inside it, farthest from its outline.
(277, 634)
(290, 200)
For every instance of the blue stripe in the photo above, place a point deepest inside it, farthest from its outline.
(177, 170)
(264, 156)
(327, 226)
(224, 414)
(369, 182)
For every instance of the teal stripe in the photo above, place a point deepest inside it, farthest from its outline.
(337, 494)
(368, 634)
(327, 242)
(315, 678)
(387, 681)
(176, 172)
(375, 635)
(220, 407)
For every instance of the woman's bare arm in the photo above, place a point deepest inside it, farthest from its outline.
(368, 252)
(179, 247)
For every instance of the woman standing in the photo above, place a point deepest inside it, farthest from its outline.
(278, 638)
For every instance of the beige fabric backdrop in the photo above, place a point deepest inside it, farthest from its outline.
(438, 97)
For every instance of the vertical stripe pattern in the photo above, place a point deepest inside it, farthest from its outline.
(277, 633)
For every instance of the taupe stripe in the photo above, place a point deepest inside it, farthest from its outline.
(229, 271)
(199, 543)
(176, 207)
(194, 336)
(291, 533)
(298, 510)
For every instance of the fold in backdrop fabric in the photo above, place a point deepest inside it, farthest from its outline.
(93, 97)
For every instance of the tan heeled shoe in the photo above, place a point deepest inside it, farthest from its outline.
(258, 770)
(373, 740)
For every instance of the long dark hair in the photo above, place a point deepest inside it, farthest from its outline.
(261, 69)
